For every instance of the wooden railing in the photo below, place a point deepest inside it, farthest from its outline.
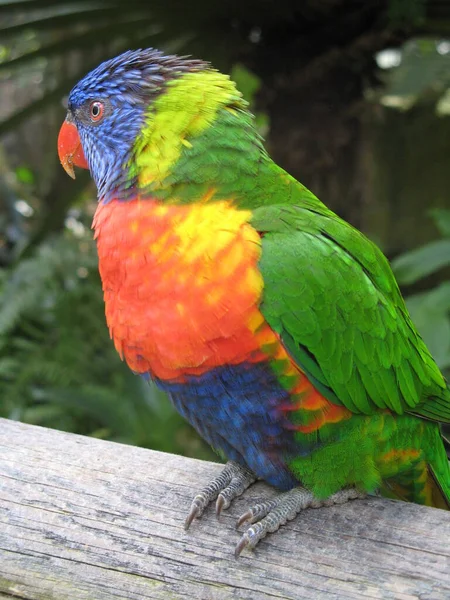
(87, 519)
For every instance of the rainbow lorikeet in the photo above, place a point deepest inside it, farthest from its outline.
(277, 329)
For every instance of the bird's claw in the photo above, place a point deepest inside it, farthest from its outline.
(229, 484)
(194, 513)
(252, 536)
(262, 518)
(243, 543)
(247, 516)
(258, 512)
(221, 504)
(268, 517)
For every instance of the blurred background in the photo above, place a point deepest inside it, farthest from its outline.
(353, 99)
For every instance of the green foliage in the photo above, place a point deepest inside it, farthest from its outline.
(422, 76)
(442, 220)
(59, 41)
(406, 13)
(24, 175)
(249, 84)
(430, 310)
(414, 265)
(58, 367)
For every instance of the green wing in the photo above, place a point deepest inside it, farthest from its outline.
(330, 294)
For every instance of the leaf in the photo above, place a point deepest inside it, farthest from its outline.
(62, 47)
(435, 300)
(247, 82)
(430, 312)
(412, 266)
(56, 21)
(441, 218)
(25, 175)
(436, 334)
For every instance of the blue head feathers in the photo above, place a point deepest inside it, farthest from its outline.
(108, 108)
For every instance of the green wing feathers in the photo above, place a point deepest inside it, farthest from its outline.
(331, 295)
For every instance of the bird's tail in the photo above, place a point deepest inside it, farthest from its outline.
(439, 477)
(427, 482)
(439, 488)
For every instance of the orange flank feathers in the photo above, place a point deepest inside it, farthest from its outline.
(315, 410)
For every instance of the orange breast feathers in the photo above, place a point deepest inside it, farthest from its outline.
(181, 285)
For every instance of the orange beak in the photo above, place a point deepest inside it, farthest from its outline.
(70, 150)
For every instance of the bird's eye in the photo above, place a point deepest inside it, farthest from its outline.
(96, 110)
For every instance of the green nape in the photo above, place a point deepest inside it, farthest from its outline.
(198, 136)
(180, 116)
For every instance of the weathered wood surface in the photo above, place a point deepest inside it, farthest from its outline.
(87, 519)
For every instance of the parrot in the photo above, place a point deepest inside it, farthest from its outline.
(276, 328)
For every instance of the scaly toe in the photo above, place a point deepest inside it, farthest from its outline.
(199, 503)
(257, 512)
(240, 481)
(269, 516)
(252, 536)
(229, 484)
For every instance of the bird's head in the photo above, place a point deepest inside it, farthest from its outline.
(129, 117)
(107, 111)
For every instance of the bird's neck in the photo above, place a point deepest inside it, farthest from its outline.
(197, 137)
(199, 141)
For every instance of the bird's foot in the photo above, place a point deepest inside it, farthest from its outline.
(269, 516)
(232, 481)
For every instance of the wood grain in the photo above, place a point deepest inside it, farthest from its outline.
(87, 519)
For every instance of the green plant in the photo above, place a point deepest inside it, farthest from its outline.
(430, 309)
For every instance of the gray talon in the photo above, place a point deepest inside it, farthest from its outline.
(256, 513)
(195, 512)
(244, 542)
(230, 483)
(244, 518)
(221, 503)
